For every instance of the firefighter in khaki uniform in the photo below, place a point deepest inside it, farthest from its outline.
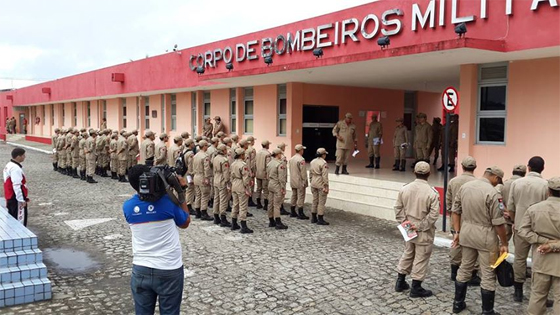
(113, 154)
(240, 187)
(174, 150)
(91, 156)
(61, 149)
(400, 143)
(189, 159)
(262, 159)
(276, 173)
(122, 156)
(284, 160)
(69, 136)
(54, 139)
(222, 185)
(319, 177)
(202, 175)
(75, 147)
(455, 253)
(418, 205)
(523, 193)
(251, 160)
(541, 228)
(219, 126)
(519, 171)
(133, 149)
(480, 230)
(423, 139)
(82, 145)
(373, 142)
(207, 128)
(147, 148)
(160, 157)
(346, 141)
(298, 183)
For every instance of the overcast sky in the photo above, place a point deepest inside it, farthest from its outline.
(44, 40)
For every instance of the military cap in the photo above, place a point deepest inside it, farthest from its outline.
(243, 142)
(93, 132)
(202, 143)
(127, 134)
(178, 138)
(188, 142)
(422, 168)
(348, 115)
(217, 118)
(162, 136)
(149, 133)
(520, 168)
(83, 130)
(56, 129)
(422, 115)
(281, 146)
(115, 132)
(221, 147)
(239, 151)
(198, 138)
(122, 131)
(495, 171)
(251, 139)
(234, 137)
(135, 132)
(227, 140)
(554, 183)
(185, 135)
(322, 151)
(399, 120)
(207, 119)
(265, 143)
(220, 134)
(63, 130)
(300, 147)
(277, 151)
(214, 140)
(469, 162)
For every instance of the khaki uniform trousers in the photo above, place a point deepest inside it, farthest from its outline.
(373, 150)
(105, 160)
(68, 158)
(541, 284)
(298, 197)
(422, 153)
(82, 163)
(262, 189)
(121, 171)
(75, 162)
(522, 249)
(114, 164)
(319, 201)
(342, 156)
(485, 260)
(55, 157)
(90, 165)
(189, 194)
(62, 159)
(452, 154)
(400, 154)
(415, 260)
(132, 161)
(275, 198)
(201, 197)
(509, 232)
(240, 204)
(221, 200)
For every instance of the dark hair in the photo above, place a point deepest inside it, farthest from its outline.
(17, 152)
(134, 175)
(519, 173)
(469, 169)
(422, 176)
(536, 164)
(554, 193)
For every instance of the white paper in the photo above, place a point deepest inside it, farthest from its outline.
(355, 153)
(406, 232)
(189, 179)
(377, 141)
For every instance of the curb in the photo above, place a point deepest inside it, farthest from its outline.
(28, 147)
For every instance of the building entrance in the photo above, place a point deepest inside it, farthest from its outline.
(318, 122)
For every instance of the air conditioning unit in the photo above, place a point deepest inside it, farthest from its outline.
(117, 77)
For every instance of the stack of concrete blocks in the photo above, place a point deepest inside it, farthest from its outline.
(23, 276)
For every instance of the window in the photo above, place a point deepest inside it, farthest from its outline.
(492, 100)
(63, 114)
(206, 105)
(123, 105)
(137, 113)
(52, 114)
(88, 105)
(147, 112)
(233, 111)
(282, 110)
(248, 111)
(75, 113)
(193, 112)
(173, 98)
(163, 129)
(44, 112)
(104, 115)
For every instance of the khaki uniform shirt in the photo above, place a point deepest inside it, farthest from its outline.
(524, 193)
(133, 149)
(348, 134)
(113, 149)
(240, 177)
(61, 143)
(89, 149)
(477, 203)
(207, 130)
(276, 173)
(505, 192)
(122, 148)
(147, 150)
(453, 188)
(221, 171)
(189, 162)
(103, 126)
(540, 224)
(319, 173)
(219, 127)
(202, 168)
(298, 172)
(423, 136)
(172, 154)
(231, 155)
(418, 202)
(250, 159)
(82, 145)
(75, 146)
(99, 144)
(375, 131)
(54, 139)
(262, 159)
(69, 141)
(400, 136)
(161, 154)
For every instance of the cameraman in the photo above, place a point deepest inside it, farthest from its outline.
(157, 257)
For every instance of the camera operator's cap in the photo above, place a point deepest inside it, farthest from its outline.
(202, 143)
(554, 183)
(215, 139)
(422, 168)
(281, 146)
(221, 147)
(300, 147)
(469, 162)
(495, 171)
(239, 151)
(178, 138)
(349, 116)
(265, 143)
(399, 120)
(188, 142)
(322, 151)
(149, 133)
(227, 140)
(198, 138)
(234, 137)
(185, 135)
(520, 168)
(220, 134)
(277, 151)
(243, 142)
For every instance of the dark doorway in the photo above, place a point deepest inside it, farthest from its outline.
(318, 122)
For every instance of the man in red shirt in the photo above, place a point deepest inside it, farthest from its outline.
(15, 187)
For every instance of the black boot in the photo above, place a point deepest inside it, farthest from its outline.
(475, 280)
(265, 208)
(97, 170)
(114, 175)
(401, 284)
(83, 175)
(228, 208)
(224, 222)
(191, 210)
(293, 213)
(321, 221)
(397, 165)
(403, 166)
(460, 294)
(377, 163)
(301, 214)
(122, 178)
(245, 229)
(251, 203)
(204, 215)
(344, 171)
(283, 211)
(488, 302)
(280, 225)
(75, 173)
(518, 294)
(337, 170)
(211, 203)
(454, 270)
(91, 180)
(452, 168)
(234, 225)
(55, 167)
(441, 169)
(249, 215)
(104, 173)
(271, 222)
(69, 171)
(370, 165)
(259, 206)
(549, 303)
(217, 220)
(417, 290)
(198, 213)
(314, 218)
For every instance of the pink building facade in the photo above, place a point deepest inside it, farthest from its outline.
(507, 77)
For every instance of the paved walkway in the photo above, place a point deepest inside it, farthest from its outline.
(345, 268)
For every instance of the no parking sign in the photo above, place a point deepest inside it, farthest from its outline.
(450, 99)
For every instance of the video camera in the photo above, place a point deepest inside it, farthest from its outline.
(161, 180)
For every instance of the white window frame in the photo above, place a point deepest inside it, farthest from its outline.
(480, 114)
(246, 117)
(233, 110)
(282, 96)
(173, 100)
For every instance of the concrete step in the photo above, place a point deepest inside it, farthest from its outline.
(26, 291)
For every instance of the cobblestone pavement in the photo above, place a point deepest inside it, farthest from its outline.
(345, 268)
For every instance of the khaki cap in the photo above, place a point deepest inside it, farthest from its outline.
(234, 137)
(322, 151)
(197, 138)
(281, 146)
(202, 143)
(217, 118)
(56, 129)
(469, 162)
(127, 134)
(178, 138)
(185, 135)
(162, 136)
(348, 115)
(300, 147)
(239, 151)
(554, 183)
(135, 132)
(221, 147)
(149, 133)
(220, 134)
(92, 132)
(277, 151)
(123, 131)
(520, 168)
(265, 143)
(227, 140)
(214, 140)
(422, 115)
(243, 142)
(251, 139)
(188, 142)
(83, 130)
(495, 171)
(422, 168)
